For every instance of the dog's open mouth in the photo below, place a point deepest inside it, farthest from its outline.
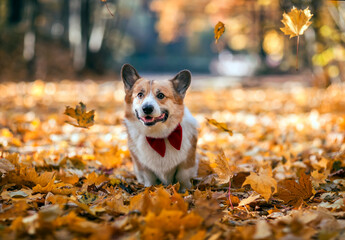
(150, 121)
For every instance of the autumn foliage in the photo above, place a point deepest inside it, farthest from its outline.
(280, 150)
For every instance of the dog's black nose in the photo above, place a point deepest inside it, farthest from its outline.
(147, 109)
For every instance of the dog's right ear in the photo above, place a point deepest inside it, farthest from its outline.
(129, 76)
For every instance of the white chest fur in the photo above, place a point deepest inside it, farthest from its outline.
(173, 157)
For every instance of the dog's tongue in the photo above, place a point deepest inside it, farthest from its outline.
(149, 119)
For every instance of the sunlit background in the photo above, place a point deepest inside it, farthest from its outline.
(71, 39)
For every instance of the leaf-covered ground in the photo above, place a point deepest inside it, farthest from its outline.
(285, 161)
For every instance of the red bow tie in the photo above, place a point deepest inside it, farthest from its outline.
(175, 139)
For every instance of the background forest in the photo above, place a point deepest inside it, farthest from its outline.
(166, 35)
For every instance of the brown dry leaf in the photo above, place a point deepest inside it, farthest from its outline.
(84, 119)
(222, 168)
(221, 126)
(263, 230)
(338, 204)
(249, 199)
(262, 183)
(318, 178)
(6, 166)
(292, 192)
(219, 30)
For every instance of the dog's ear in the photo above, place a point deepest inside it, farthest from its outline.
(181, 82)
(129, 76)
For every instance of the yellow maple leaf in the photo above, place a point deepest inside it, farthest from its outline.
(84, 119)
(262, 183)
(219, 30)
(296, 22)
(220, 125)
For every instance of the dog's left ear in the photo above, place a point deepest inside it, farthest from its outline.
(181, 82)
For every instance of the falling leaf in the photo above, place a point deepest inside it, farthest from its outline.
(84, 119)
(295, 24)
(221, 126)
(262, 183)
(219, 30)
(292, 192)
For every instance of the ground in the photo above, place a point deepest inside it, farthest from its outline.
(282, 148)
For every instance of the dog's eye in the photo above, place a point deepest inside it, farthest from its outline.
(140, 95)
(160, 95)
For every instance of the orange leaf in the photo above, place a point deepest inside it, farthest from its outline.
(292, 192)
(58, 188)
(221, 126)
(84, 119)
(93, 178)
(219, 30)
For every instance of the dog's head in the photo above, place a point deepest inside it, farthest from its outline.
(157, 105)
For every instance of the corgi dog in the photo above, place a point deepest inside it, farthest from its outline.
(162, 133)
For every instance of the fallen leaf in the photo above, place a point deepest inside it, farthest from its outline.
(219, 30)
(262, 183)
(18, 194)
(94, 178)
(6, 166)
(318, 178)
(221, 126)
(249, 199)
(338, 204)
(263, 230)
(55, 188)
(292, 192)
(84, 119)
(222, 168)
